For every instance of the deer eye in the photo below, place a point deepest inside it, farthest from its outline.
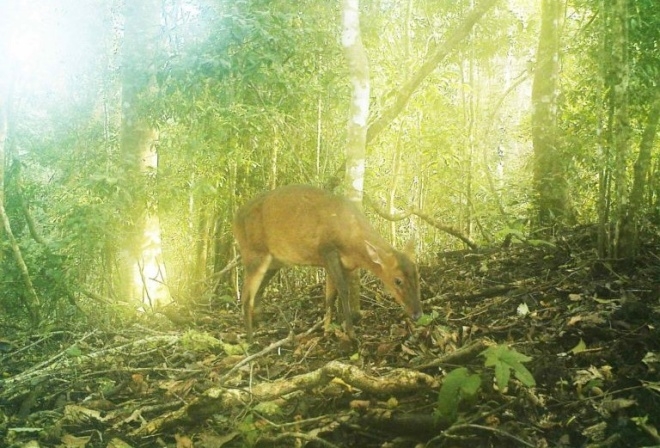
(398, 282)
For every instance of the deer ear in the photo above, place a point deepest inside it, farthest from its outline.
(409, 249)
(373, 253)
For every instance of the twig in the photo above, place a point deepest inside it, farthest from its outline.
(305, 437)
(29, 346)
(62, 360)
(269, 349)
(457, 357)
(448, 433)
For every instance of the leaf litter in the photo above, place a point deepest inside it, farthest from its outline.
(548, 345)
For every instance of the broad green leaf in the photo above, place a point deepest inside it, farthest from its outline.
(427, 318)
(457, 386)
(74, 351)
(505, 360)
(580, 347)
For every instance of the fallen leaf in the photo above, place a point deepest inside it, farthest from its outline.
(71, 441)
(183, 441)
(118, 443)
(359, 404)
(580, 347)
(214, 441)
(386, 349)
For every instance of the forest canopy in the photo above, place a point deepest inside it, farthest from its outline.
(130, 132)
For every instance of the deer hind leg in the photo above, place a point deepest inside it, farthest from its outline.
(330, 302)
(270, 273)
(255, 273)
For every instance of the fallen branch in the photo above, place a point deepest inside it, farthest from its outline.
(459, 357)
(64, 362)
(216, 400)
(270, 348)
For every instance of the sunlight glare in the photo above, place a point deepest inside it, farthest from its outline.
(31, 37)
(42, 43)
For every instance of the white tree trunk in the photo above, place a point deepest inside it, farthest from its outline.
(358, 68)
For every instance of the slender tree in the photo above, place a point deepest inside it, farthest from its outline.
(143, 275)
(358, 67)
(629, 240)
(550, 182)
(617, 81)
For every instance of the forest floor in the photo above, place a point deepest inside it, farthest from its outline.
(586, 330)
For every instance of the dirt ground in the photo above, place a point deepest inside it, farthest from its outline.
(586, 330)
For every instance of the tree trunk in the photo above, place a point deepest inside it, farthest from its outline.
(630, 228)
(469, 122)
(204, 237)
(396, 168)
(358, 67)
(449, 43)
(143, 276)
(550, 182)
(617, 81)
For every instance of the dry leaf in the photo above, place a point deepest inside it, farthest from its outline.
(183, 441)
(118, 443)
(386, 349)
(138, 385)
(215, 441)
(70, 441)
(359, 404)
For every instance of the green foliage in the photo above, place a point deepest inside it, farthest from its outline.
(203, 342)
(427, 318)
(248, 430)
(458, 386)
(251, 93)
(199, 342)
(583, 103)
(268, 408)
(74, 351)
(505, 360)
(537, 243)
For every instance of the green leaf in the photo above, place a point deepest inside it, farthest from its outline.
(226, 299)
(268, 408)
(74, 351)
(427, 319)
(459, 385)
(233, 349)
(511, 231)
(579, 348)
(248, 430)
(505, 360)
